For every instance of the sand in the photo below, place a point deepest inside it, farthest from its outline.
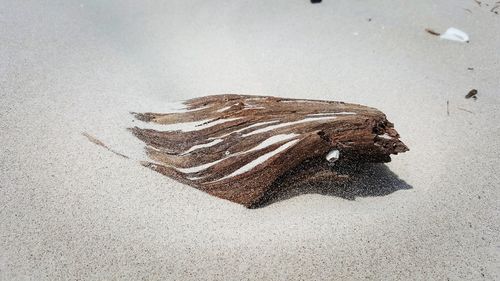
(71, 210)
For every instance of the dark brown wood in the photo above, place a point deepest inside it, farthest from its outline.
(432, 32)
(240, 145)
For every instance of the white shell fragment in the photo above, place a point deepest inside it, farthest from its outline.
(333, 156)
(455, 35)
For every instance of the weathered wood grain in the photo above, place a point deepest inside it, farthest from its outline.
(235, 147)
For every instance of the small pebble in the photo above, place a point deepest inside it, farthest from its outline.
(472, 94)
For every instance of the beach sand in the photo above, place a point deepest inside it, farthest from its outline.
(71, 210)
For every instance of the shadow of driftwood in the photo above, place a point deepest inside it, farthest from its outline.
(365, 180)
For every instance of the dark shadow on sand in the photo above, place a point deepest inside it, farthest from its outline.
(366, 180)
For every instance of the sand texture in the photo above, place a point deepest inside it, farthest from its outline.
(71, 209)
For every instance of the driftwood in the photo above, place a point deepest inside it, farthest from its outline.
(238, 147)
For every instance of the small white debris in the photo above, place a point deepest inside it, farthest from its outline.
(455, 35)
(333, 156)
